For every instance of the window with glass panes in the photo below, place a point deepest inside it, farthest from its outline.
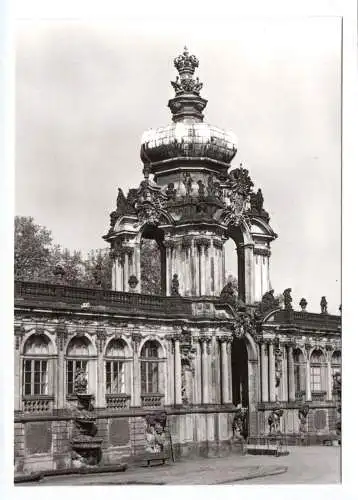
(316, 384)
(35, 374)
(72, 366)
(115, 377)
(149, 368)
(298, 367)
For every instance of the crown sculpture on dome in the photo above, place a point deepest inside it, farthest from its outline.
(185, 65)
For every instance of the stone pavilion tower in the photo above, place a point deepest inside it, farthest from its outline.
(190, 202)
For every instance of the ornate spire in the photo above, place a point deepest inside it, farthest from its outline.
(187, 102)
(185, 65)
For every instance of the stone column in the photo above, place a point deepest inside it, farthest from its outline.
(204, 371)
(136, 380)
(168, 244)
(177, 371)
(228, 346)
(202, 270)
(291, 374)
(272, 384)
(224, 372)
(249, 273)
(125, 272)
(308, 377)
(197, 396)
(329, 381)
(264, 373)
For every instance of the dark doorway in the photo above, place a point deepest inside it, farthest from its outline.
(239, 365)
(152, 262)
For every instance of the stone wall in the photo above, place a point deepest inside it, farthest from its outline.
(45, 444)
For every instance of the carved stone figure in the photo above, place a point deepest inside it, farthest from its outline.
(323, 305)
(175, 285)
(303, 304)
(278, 366)
(239, 424)
(80, 384)
(268, 302)
(121, 203)
(302, 416)
(274, 420)
(241, 180)
(257, 201)
(287, 298)
(188, 182)
(171, 192)
(155, 432)
(201, 190)
(229, 293)
(133, 281)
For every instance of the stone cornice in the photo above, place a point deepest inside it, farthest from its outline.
(265, 252)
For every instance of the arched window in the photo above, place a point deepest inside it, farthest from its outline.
(78, 354)
(150, 367)
(299, 372)
(115, 367)
(36, 366)
(317, 371)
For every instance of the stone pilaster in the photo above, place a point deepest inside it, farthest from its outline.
(177, 371)
(224, 370)
(291, 374)
(308, 374)
(272, 378)
(205, 369)
(136, 388)
(264, 372)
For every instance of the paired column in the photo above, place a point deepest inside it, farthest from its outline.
(205, 369)
(329, 381)
(177, 371)
(272, 382)
(291, 374)
(308, 377)
(224, 371)
(264, 373)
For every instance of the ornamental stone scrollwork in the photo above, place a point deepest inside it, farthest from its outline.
(239, 424)
(218, 244)
(136, 339)
(61, 335)
(169, 243)
(186, 242)
(274, 420)
(244, 325)
(302, 417)
(203, 242)
(265, 252)
(278, 362)
(19, 334)
(101, 338)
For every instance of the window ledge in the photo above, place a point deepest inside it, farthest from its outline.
(34, 397)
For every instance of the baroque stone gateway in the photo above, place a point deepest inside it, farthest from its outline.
(103, 376)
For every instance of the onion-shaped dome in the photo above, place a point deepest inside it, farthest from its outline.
(180, 139)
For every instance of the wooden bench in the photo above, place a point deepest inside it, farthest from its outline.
(154, 458)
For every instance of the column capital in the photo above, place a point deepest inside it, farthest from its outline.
(169, 243)
(218, 244)
(225, 339)
(202, 242)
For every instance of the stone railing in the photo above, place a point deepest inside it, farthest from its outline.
(152, 400)
(318, 395)
(97, 297)
(37, 404)
(117, 401)
(308, 319)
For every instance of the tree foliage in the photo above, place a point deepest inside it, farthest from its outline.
(37, 258)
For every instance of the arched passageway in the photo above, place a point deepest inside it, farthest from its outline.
(235, 258)
(152, 261)
(239, 367)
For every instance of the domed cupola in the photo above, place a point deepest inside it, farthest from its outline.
(188, 138)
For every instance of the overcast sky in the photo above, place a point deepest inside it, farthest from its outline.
(85, 92)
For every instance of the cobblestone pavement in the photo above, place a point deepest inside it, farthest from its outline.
(305, 465)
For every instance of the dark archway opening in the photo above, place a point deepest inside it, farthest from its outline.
(239, 371)
(235, 234)
(152, 261)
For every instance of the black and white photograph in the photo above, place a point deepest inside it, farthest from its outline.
(177, 314)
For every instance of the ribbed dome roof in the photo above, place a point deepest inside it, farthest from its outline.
(197, 139)
(188, 136)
